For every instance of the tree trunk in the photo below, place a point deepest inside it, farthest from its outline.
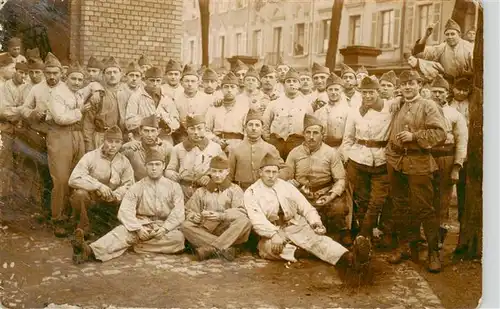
(471, 229)
(331, 54)
(460, 12)
(205, 25)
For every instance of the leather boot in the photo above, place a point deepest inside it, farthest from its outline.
(400, 254)
(414, 252)
(345, 238)
(204, 253)
(60, 230)
(82, 252)
(434, 261)
(229, 254)
(362, 252)
(442, 236)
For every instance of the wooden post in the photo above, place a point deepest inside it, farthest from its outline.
(205, 25)
(331, 54)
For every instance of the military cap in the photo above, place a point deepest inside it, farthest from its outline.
(265, 70)
(14, 42)
(111, 63)
(239, 65)
(333, 79)
(219, 163)
(23, 66)
(270, 160)
(408, 75)
(362, 69)
(189, 70)
(5, 60)
(462, 83)
(173, 65)
(113, 133)
(93, 63)
(52, 61)
(209, 74)
(133, 67)
(154, 155)
(154, 72)
(201, 70)
(192, 120)
(389, 77)
(35, 64)
(311, 120)
(150, 121)
(252, 72)
(144, 60)
(440, 82)
(319, 69)
(253, 115)
(230, 78)
(32, 53)
(292, 73)
(369, 82)
(75, 67)
(452, 25)
(344, 69)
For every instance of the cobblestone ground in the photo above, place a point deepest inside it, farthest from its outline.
(36, 270)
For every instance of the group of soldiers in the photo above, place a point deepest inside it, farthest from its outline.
(302, 160)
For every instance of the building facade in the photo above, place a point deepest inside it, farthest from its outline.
(298, 31)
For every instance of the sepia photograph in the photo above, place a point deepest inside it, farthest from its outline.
(241, 154)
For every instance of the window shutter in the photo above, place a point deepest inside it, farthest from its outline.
(244, 40)
(307, 27)
(437, 17)
(290, 42)
(397, 27)
(378, 30)
(409, 26)
(375, 33)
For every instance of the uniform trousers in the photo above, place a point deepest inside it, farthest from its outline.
(443, 187)
(285, 146)
(82, 200)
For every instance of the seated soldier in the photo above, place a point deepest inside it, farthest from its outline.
(190, 160)
(216, 218)
(285, 220)
(151, 212)
(136, 150)
(244, 159)
(316, 169)
(101, 177)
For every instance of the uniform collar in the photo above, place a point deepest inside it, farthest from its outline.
(189, 145)
(213, 187)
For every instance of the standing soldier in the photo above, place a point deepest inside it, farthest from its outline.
(361, 73)
(145, 63)
(245, 158)
(101, 178)
(134, 85)
(320, 76)
(333, 115)
(226, 122)
(388, 83)
(172, 87)
(316, 170)
(417, 126)
(94, 68)
(281, 69)
(8, 68)
(283, 118)
(190, 160)
(216, 217)
(306, 85)
(269, 81)
(364, 142)
(257, 100)
(450, 156)
(210, 85)
(35, 73)
(240, 70)
(352, 96)
(14, 46)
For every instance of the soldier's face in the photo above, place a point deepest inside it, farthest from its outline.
(153, 82)
(439, 95)
(209, 86)
(149, 135)
(426, 93)
(112, 76)
(369, 96)
(36, 76)
(386, 90)
(229, 91)
(313, 136)
(460, 94)
(75, 81)
(241, 76)
(306, 82)
(52, 75)
(334, 92)
(111, 146)
(218, 175)
(292, 86)
(282, 70)
(269, 175)
(173, 78)
(251, 83)
(133, 79)
(15, 51)
(20, 76)
(409, 89)
(471, 36)
(413, 61)
(320, 81)
(196, 133)
(154, 169)
(94, 74)
(8, 71)
(452, 37)
(190, 83)
(254, 129)
(350, 80)
(269, 81)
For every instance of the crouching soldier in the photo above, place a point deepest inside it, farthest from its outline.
(316, 169)
(151, 212)
(285, 220)
(216, 218)
(101, 178)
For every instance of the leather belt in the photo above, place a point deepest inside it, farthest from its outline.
(77, 126)
(409, 151)
(230, 135)
(316, 188)
(332, 141)
(443, 151)
(371, 143)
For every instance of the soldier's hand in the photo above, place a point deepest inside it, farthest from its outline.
(143, 234)
(172, 175)
(455, 174)
(325, 199)
(134, 145)
(404, 136)
(213, 215)
(38, 114)
(430, 29)
(95, 98)
(294, 182)
(277, 243)
(195, 218)
(105, 192)
(86, 107)
(204, 180)
(218, 103)
(319, 228)
(158, 233)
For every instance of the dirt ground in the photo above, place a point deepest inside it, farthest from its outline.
(36, 270)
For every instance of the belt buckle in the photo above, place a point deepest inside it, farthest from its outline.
(405, 151)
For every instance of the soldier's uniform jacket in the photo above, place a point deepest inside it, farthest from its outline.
(355, 101)
(138, 158)
(197, 105)
(462, 107)
(227, 118)
(172, 92)
(257, 101)
(457, 133)
(333, 117)
(10, 102)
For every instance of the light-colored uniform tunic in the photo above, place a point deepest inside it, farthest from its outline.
(334, 117)
(138, 158)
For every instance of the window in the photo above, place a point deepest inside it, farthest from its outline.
(238, 44)
(277, 48)
(355, 30)
(424, 18)
(222, 46)
(387, 29)
(325, 35)
(191, 51)
(257, 43)
(299, 39)
(240, 4)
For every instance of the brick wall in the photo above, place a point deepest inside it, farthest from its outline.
(125, 29)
